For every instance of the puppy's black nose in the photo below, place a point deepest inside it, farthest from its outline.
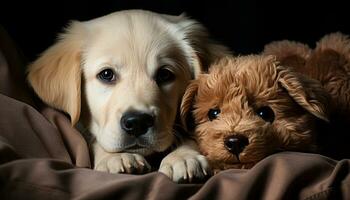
(136, 123)
(236, 143)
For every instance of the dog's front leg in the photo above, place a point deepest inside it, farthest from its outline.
(130, 163)
(185, 164)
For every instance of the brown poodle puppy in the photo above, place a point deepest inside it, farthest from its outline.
(249, 107)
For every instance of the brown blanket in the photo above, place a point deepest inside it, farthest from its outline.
(43, 157)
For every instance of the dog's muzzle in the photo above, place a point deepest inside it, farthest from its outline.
(136, 123)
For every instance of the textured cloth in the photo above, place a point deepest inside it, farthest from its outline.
(43, 157)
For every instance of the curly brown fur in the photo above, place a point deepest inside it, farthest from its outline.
(329, 63)
(239, 88)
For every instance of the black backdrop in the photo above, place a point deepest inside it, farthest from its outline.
(243, 25)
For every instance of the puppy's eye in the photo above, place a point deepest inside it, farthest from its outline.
(266, 113)
(213, 114)
(164, 76)
(107, 76)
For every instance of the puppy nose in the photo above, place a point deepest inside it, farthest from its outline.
(236, 143)
(136, 123)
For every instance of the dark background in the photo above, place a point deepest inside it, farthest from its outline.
(243, 25)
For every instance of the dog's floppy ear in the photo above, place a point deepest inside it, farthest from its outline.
(305, 91)
(56, 75)
(202, 49)
(187, 105)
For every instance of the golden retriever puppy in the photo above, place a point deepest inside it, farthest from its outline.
(249, 107)
(122, 76)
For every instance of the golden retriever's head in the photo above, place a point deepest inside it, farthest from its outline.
(133, 66)
(249, 107)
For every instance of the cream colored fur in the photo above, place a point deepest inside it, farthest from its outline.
(135, 44)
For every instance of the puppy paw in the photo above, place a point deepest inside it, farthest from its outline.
(185, 168)
(123, 163)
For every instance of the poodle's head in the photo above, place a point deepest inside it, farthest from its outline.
(249, 107)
